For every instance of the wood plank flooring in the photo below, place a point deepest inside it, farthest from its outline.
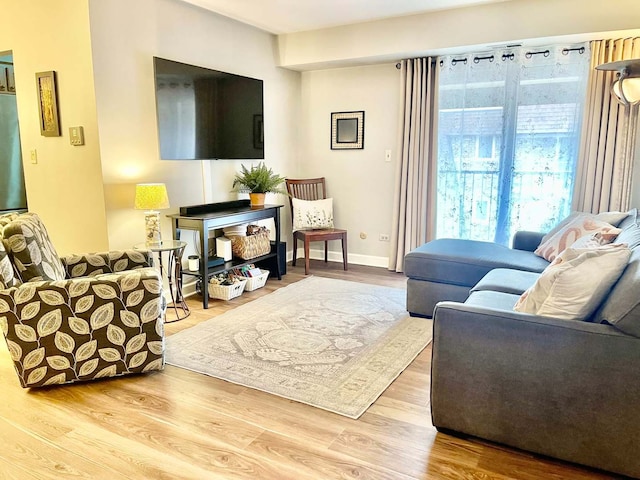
(178, 424)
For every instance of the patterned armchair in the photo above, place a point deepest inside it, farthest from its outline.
(76, 318)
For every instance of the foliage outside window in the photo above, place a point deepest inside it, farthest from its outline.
(508, 139)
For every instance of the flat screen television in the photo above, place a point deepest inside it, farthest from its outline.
(207, 114)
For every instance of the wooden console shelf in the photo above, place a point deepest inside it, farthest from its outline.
(203, 218)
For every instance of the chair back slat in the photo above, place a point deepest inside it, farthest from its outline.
(306, 189)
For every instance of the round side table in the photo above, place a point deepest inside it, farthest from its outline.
(175, 250)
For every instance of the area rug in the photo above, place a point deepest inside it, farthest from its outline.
(333, 344)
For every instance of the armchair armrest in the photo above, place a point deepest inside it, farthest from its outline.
(525, 240)
(567, 389)
(91, 264)
(83, 329)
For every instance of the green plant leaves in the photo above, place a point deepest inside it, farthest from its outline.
(258, 179)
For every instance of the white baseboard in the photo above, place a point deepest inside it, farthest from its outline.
(353, 258)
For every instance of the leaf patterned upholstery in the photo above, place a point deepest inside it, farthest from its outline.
(33, 255)
(7, 277)
(84, 329)
(92, 264)
(7, 274)
(78, 318)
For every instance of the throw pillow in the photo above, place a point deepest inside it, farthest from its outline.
(612, 218)
(595, 240)
(577, 227)
(312, 214)
(562, 224)
(577, 281)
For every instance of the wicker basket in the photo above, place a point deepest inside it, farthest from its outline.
(251, 246)
(227, 292)
(253, 283)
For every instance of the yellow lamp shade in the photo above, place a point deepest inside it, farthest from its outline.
(151, 196)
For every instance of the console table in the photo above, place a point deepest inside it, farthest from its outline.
(203, 218)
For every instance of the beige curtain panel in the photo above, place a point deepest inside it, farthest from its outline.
(605, 162)
(415, 190)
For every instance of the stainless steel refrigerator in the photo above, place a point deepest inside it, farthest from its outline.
(13, 195)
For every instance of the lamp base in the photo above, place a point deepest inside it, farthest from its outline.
(152, 227)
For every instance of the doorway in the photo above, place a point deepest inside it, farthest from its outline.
(13, 194)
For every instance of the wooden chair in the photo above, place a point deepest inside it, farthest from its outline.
(313, 189)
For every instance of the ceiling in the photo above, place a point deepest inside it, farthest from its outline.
(288, 16)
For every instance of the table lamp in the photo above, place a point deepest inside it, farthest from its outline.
(152, 197)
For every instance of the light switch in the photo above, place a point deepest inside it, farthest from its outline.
(387, 155)
(34, 156)
(76, 136)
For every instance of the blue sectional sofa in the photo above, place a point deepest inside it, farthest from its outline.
(568, 389)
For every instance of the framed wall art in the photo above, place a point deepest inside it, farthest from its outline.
(347, 130)
(48, 104)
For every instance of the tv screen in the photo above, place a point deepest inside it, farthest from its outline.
(207, 114)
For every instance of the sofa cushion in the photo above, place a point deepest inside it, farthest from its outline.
(630, 235)
(33, 255)
(622, 306)
(575, 284)
(492, 300)
(506, 280)
(465, 262)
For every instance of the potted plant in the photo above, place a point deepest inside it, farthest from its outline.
(257, 181)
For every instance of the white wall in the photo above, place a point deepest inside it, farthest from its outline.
(360, 181)
(65, 186)
(455, 30)
(125, 36)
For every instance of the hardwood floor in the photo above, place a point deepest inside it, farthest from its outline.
(177, 424)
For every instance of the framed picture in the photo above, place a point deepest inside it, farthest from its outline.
(347, 130)
(48, 104)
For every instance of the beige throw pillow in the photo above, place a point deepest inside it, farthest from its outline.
(575, 284)
(574, 229)
(312, 214)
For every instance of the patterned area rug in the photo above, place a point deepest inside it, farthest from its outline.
(333, 344)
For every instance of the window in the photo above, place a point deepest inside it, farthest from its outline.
(508, 136)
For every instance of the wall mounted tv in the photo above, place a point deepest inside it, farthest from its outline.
(207, 114)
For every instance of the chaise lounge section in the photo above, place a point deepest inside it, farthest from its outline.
(447, 268)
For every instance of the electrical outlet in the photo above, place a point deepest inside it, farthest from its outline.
(384, 237)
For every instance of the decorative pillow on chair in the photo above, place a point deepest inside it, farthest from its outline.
(575, 284)
(575, 228)
(34, 256)
(312, 214)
